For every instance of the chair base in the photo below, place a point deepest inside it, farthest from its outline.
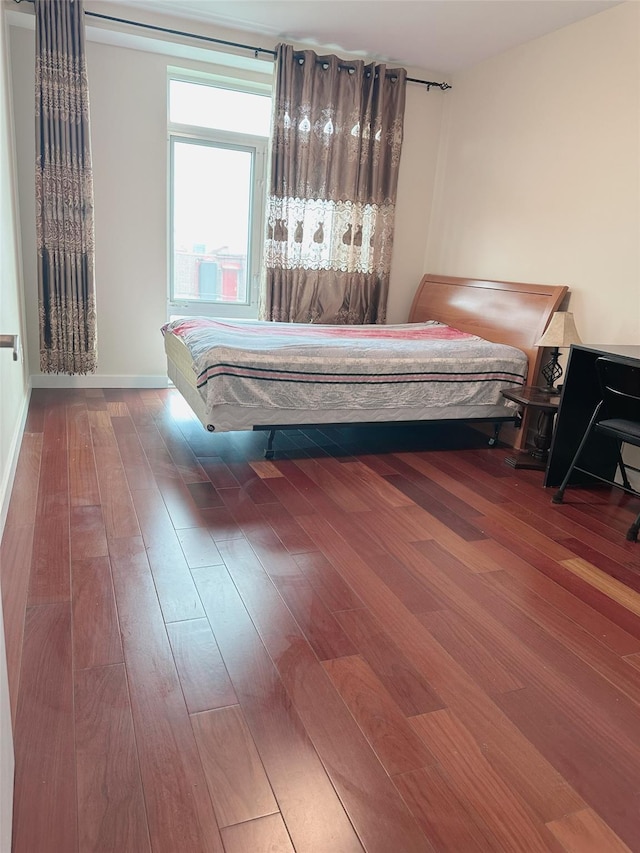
(632, 532)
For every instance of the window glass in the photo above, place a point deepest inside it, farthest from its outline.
(211, 221)
(203, 105)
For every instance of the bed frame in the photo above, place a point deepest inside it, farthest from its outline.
(502, 312)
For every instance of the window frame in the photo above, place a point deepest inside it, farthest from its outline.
(257, 147)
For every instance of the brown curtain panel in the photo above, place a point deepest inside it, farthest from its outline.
(64, 191)
(337, 137)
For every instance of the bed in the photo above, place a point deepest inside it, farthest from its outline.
(465, 341)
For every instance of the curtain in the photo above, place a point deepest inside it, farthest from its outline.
(337, 136)
(64, 191)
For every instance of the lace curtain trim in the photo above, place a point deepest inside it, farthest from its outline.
(317, 234)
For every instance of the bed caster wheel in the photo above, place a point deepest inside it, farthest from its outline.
(496, 435)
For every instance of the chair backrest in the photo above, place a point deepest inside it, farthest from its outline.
(620, 387)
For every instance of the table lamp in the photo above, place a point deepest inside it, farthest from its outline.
(561, 332)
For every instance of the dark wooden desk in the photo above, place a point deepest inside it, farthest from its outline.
(580, 395)
(546, 405)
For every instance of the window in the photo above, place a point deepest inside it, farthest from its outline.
(218, 146)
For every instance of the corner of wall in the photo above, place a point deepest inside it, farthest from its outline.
(430, 260)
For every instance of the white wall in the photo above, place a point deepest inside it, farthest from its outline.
(13, 374)
(416, 181)
(14, 399)
(539, 179)
(128, 96)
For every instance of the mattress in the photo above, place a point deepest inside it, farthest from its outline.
(246, 374)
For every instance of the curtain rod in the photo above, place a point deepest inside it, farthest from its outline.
(210, 39)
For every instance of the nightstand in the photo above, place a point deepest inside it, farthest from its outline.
(546, 405)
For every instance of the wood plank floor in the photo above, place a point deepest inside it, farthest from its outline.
(381, 640)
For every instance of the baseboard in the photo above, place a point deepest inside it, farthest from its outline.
(14, 452)
(96, 380)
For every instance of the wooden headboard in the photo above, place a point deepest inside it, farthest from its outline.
(504, 312)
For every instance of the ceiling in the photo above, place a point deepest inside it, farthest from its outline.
(446, 36)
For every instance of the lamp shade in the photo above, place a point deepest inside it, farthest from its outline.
(561, 331)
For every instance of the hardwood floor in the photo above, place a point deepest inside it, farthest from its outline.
(382, 640)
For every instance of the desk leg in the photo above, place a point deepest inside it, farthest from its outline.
(536, 459)
(542, 438)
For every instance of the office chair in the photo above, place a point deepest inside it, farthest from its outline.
(617, 416)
